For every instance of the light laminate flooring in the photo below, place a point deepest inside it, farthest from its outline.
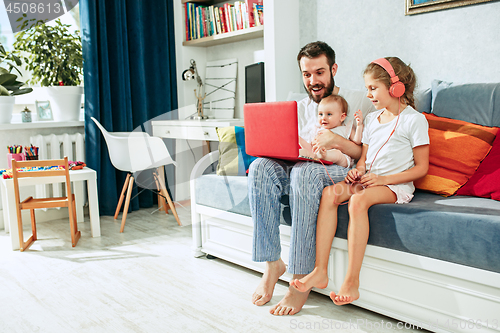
(147, 280)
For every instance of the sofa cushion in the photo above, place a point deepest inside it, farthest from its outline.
(462, 230)
(477, 103)
(456, 150)
(229, 193)
(233, 159)
(485, 182)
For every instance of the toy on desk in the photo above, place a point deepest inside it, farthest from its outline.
(76, 165)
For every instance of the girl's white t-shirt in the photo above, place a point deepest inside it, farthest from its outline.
(397, 155)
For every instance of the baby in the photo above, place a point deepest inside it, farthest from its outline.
(332, 111)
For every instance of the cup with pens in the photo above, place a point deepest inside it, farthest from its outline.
(16, 152)
(31, 153)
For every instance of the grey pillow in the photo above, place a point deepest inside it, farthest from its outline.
(477, 103)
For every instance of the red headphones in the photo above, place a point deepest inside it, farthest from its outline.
(397, 88)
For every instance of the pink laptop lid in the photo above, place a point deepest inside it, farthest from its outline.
(271, 130)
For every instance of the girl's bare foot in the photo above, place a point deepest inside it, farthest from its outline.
(317, 278)
(348, 293)
(265, 289)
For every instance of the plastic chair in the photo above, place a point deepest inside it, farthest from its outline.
(32, 204)
(133, 152)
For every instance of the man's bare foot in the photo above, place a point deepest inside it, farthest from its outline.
(317, 278)
(264, 291)
(292, 303)
(348, 293)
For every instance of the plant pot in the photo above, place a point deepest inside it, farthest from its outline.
(65, 102)
(6, 108)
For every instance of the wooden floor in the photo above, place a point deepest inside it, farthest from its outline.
(146, 280)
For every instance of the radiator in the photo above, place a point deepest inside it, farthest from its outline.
(54, 147)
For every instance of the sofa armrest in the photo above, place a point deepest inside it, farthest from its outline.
(198, 170)
(203, 164)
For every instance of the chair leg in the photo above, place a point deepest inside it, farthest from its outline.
(22, 244)
(160, 197)
(127, 202)
(75, 234)
(33, 224)
(164, 191)
(122, 195)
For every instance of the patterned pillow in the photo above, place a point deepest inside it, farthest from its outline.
(456, 150)
(233, 160)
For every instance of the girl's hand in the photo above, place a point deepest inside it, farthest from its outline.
(371, 179)
(353, 176)
(358, 116)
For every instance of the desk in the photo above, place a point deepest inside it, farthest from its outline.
(192, 129)
(188, 130)
(76, 177)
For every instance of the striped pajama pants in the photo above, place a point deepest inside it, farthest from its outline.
(304, 182)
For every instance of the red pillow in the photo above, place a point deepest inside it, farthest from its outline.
(485, 182)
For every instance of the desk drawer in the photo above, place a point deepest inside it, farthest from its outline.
(203, 133)
(174, 132)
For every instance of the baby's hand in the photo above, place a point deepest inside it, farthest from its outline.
(358, 116)
(321, 153)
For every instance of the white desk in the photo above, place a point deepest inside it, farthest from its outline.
(76, 177)
(203, 130)
(192, 129)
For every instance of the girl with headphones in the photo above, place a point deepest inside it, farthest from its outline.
(395, 152)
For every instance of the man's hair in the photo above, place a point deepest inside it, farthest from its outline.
(339, 99)
(315, 49)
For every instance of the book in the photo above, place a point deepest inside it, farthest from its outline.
(251, 12)
(186, 21)
(239, 22)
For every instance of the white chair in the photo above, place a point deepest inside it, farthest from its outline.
(133, 152)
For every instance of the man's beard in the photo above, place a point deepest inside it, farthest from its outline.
(328, 90)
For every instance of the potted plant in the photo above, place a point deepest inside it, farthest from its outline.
(9, 86)
(54, 57)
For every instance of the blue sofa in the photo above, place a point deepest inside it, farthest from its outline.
(434, 262)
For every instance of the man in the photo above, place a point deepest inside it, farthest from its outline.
(270, 179)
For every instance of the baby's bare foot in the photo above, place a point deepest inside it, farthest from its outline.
(265, 289)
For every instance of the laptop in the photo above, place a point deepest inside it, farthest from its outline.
(271, 130)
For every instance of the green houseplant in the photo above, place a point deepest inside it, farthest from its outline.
(54, 56)
(9, 86)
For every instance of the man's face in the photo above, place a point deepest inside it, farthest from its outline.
(317, 77)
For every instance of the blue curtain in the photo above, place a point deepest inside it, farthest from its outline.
(129, 78)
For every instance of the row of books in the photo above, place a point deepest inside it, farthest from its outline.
(203, 21)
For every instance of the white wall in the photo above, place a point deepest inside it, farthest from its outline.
(459, 44)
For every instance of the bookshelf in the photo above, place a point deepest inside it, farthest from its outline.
(228, 37)
(222, 38)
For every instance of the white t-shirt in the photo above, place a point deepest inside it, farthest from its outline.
(307, 111)
(397, 155)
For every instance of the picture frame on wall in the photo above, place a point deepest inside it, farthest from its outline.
(43, 110)
(424, 6)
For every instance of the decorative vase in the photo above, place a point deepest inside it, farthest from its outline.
(6, 108)
(65, 102)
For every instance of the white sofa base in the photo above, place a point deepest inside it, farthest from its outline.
(433, 294)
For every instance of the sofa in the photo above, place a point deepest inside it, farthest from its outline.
(434, 262)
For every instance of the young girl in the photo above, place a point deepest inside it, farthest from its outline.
(395, 153)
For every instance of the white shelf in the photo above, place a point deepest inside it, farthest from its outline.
(228, 37)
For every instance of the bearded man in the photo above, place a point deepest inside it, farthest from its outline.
(269, 180)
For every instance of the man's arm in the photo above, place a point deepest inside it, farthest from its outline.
(329, 140)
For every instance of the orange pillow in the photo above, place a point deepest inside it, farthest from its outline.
(456, 150)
